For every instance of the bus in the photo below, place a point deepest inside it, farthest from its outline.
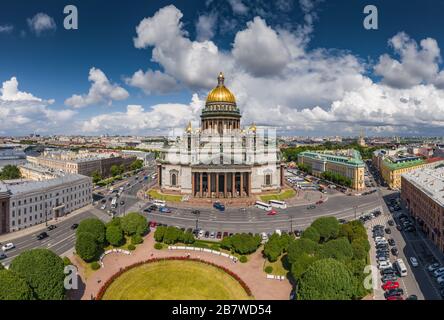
(159, 203)
(278, 204)
(400, 266)
(114, 203)
(263, 206)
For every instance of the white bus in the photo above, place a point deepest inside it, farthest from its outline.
(114, 203)
(400, 266)
(278, 204)
(263, 206)
(159, 203)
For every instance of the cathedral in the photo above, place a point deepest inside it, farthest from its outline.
(221, 159)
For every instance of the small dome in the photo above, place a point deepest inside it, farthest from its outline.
(221, 93)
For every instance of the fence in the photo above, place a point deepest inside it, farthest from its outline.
(112, 251)
(218, 253)
(270, 276)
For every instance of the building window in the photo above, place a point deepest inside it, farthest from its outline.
(268, 179)
(173, 179)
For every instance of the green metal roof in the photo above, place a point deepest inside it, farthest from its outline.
(356, 160)
(402, 165)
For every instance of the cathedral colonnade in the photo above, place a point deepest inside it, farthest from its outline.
(206, 184)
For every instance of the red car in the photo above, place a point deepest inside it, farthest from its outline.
(320, 202)
(153, 224)
(395, 298)
(272, 212)
(389, 285)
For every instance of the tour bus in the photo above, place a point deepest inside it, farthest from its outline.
(114, 203)
(278, 204)
(159, 203)
(263, 206)
(400, 266)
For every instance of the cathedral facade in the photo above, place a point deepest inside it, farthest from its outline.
(221, 159)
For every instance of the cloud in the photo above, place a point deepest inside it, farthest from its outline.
(6, 28)
(205, 27)
(238, 7)
(101, 91)
(153, 82)
(260, 50)
(136, 120)
(416, 64)
(41, 23)
(21, 111)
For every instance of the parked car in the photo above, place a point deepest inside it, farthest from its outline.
(388, 231)
(394, 251)
(389, 277)
(432, 267)
(394, 292)
(391, 242)
(219, 235)
(212, 235)
(42, 236)
(389, 285)
(391, 223)
(437, 273)
(394, 298)
(412, 297)
(74, 226)
(414, 262)
(201, 233)
(8, 246)
(384, 265)
(147, 210)
(103, 207)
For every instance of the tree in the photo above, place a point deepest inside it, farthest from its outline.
(301, 264)
(172, 235)
(114, 235)
(134, 223)
(43, 271)
(96, 176)
(95, 227)
(13, 287)
(312, 234)
(86, 246)
(159, 233)
(360, 248)
(338, 249)
(114, 222)
(188, 238)
(327, 279)
(10, 172)
(300, 246)
(137, 164)
(115, 170)
(328, 227)
(244, 243)
(276, 245)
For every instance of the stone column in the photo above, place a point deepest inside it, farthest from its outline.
(192, 184)
(217, 185)
(201, 184)
(225, 184)
(233, 185)
(249, 184)
(209, 185)
(241, 189)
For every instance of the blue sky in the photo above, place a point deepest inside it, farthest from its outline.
(313, 66)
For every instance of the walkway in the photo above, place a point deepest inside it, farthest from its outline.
(250, 272)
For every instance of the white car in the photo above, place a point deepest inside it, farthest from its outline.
(414, 262)
(103, 207)
(8, 246)
(440, 280)
(438, 272)
(384, 265)
(201, 233)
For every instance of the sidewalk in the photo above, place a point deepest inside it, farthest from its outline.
(24, 232)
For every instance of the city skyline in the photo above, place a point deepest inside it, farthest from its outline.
(145, 69)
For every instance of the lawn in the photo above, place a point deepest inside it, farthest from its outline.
(175, 280)
(286, 194)
(280, 267)
(165, 197)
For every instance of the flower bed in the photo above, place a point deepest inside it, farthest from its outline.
(137, 264)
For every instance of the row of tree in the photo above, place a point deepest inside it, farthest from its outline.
(36, 274)
(337, 178)
(93, 235)
(242, 243)
(172, 235)
(117, 170)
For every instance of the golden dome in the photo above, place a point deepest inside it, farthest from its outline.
(221, 93)
(253, 127)
(189, 128)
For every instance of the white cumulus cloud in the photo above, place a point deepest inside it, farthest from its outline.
(41, 23)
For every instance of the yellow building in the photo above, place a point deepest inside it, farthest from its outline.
(346, 163)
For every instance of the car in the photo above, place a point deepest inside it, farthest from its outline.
(440, 280)
(122, 203)
(310, 207)
(219, 235)
(432, 267)
(412, 297)
(389, 277)
(272, 212)
(298, 233)
(414, 262)
(437, 273)
(8, 246)
(164, 210)
(195, 212)
(390, 285)
(389, 298)
(42, 236)
(391, 242)
(319, 202)
(103, 207)
(147, 210)
(207, 234)
(394, 251)
(51, 227)
(388, 230)
(212, 235)
(381, 258)
(384, 265)
(394, 292)
(201, 233)
(153, 207)
(219, 206)
(398, 227)
(230, 234)
(410, 229)
(74, 226)
(391, 223)
(2, 256)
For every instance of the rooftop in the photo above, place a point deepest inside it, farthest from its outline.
(353, 157)
(429, 181)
